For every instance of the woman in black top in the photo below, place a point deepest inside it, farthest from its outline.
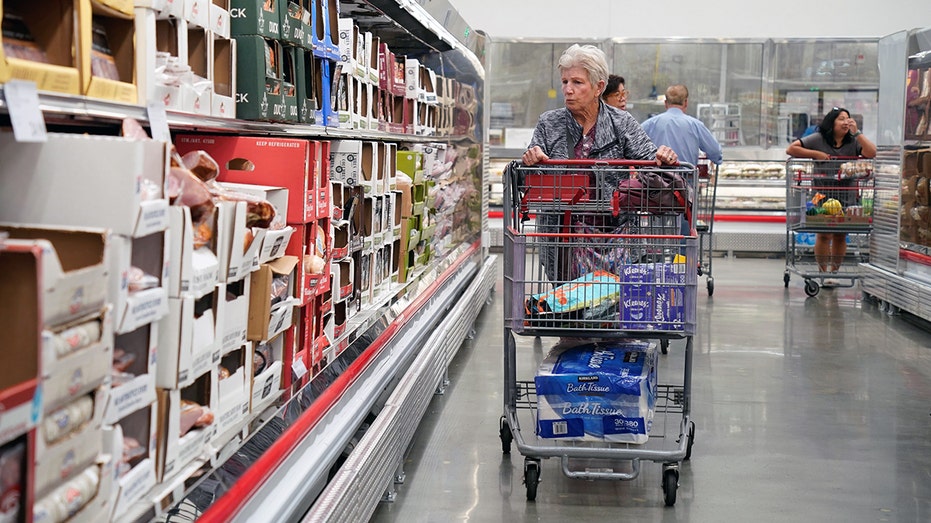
(837, 136)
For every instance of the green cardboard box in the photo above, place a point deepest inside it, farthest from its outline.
(307, 20)
(411, 164)
(289, 79)
(258, 79)
(292, 26)
(255, 18)
(307, 102)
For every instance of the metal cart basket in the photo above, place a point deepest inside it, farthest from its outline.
(593, 255)
(704, 219)
(827, 197)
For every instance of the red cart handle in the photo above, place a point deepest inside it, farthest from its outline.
(595, 163)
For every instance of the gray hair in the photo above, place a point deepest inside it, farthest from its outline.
(587, 57)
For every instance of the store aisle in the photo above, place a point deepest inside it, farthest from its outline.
(807, 409)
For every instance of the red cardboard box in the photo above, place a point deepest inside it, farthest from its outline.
(303, 245)
(323, 180)
(280, 162)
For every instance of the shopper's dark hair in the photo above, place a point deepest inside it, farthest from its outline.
(614, 81)
(827, 125)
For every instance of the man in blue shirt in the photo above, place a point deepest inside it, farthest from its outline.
(682, 133)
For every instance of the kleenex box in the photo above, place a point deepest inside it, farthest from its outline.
(637, 296)
(597, 392)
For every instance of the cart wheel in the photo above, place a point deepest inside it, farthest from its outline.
(811, 288)
(664, 346)
(504, 432)
(670, 485)
(785, 279)
(531, 478)
(710, 286)
(691, 436)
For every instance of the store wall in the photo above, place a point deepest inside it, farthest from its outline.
(688, 18)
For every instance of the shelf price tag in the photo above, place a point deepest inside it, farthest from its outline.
(22, 101)
(299, 369)
(158, 122)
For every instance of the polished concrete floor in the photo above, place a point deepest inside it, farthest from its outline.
(807, 410)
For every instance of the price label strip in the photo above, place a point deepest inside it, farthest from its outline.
(22, 101)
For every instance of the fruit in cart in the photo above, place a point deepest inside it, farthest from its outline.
(816, 199)
(833, 207)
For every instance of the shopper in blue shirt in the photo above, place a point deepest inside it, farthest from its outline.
(685, 135)
(682, 133)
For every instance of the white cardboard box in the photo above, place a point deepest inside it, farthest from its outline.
(197, 12)
(188, 345)
(75, 269)
(132, 310)
(193, 272)
(412, 78)
(156, 33)
(348, 33)
(235, 262)
(176, 451)
(346, 161)
(142, 426)
(85, 181)
(233, 395)
(266, 386)
(342, 272)
(270, 244)
(80, 371)
(60, 460)
(139, 392)
(220, 18)
(232, 314)
(222, 68)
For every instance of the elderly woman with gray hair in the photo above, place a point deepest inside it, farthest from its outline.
(587, 128)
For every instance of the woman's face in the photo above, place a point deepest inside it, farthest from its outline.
(578, 89)
(841, 124)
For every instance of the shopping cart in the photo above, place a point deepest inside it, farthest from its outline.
(827, 197)
(593, 252)
(704, 218)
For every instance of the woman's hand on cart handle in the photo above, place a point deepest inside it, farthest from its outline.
(534, 155)
(666, 156)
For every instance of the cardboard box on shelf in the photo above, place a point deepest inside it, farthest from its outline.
(197, 13)
(220, 19)
(236, 255)
(342, 272)
(336, 326)
(134, 368)
(135, 478)
(396, 255)
(372, 45)
(279, 162)
(289, 80)
(223, 75)
(296, 357)
(265, 318)
(38, 185)
(232, 314)
(348, 40)
(340, 248)
(266, 378)
(188, 344)
(194, 271)
(270, 244)
(308, 103)
(97, 508)
(76, 358)
(412, 78)
(292, 27)
(232, 394)
(258, 79)
(175, 450)
(52, 25)
(21, 320)
(255, 17)
(307, 23)
(157, 39)
(305, 247)
(66, 445)
(325, 38)
(137, 302)
(105, 46)
(74, 272)
(411, 164)
(199, 46)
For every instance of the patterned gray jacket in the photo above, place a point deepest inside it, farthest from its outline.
(617, 135)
